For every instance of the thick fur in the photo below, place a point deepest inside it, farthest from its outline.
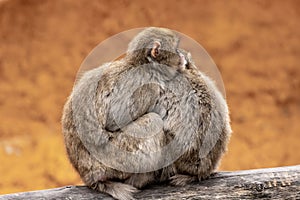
(203, 158)
(142, 94)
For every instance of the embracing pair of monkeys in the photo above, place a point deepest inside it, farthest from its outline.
(149, 117)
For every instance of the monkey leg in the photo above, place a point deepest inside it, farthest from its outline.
(93, 173)
(149, 123)
(101, 178)
(140, 180)
(182, 180)
(117, 190)
(97, 176)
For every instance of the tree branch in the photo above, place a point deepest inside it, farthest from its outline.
(271, 183)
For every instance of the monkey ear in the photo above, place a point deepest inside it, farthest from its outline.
(155, 49)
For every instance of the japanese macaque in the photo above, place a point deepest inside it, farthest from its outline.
(149, 117)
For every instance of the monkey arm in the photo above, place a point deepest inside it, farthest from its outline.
(112, 122)
(129, 115)
(127, 106)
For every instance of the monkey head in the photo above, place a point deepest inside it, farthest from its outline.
(156, 45)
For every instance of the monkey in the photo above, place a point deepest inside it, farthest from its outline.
(197, 163)
(155, 90)
(97, 91)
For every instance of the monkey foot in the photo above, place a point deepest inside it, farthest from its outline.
(182, 180)
(117, 190)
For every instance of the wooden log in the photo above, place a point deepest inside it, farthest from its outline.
(271, 183)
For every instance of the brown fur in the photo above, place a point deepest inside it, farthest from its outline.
(101, 95)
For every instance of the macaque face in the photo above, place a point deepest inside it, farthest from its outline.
(184, 60)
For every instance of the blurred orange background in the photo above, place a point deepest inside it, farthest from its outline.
(255, 44)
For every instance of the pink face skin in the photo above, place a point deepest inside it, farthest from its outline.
(183, 61)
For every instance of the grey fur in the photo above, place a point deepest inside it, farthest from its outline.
(145, 119)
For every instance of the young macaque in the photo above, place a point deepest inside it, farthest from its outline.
(149, 117)
(204, 155)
